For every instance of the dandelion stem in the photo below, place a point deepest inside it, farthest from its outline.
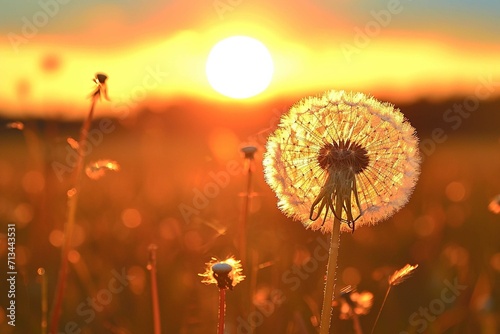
(246, 256)
(44, 303)
(154, 289)
(70, 221)
(222, 310)
(331, 269)
(381, 307)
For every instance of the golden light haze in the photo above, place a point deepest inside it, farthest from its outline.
(391, 63)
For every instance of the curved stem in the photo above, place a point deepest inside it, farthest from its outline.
(331, 269)
(70, 221)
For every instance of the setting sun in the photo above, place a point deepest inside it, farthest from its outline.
(239, 67)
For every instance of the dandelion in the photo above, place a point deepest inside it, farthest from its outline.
(97, 169)
(100, 89)
(342, 147)
(494, 205)
(397, 278)
(346, 154)
(226, 274)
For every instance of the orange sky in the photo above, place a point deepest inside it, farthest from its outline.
(160, 52)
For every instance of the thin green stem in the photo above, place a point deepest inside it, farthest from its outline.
(381, 307)
(331, 269)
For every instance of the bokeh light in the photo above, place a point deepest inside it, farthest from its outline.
(138, 279)
(131, 218)
(425, 225)
(456, 191)
(33, 182)
(351, 276)
(23, 214)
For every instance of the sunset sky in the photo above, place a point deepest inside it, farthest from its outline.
(157, 50)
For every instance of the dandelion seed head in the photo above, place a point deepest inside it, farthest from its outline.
(345, 147)
(226, 274)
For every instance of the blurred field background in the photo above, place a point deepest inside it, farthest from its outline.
(166, 156)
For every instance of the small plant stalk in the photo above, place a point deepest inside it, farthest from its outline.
(247, 258)
(381, 307)
(331, 269)
(154, 290)
(70, 221)
(222, 310)
(355, 324)
(44, 303)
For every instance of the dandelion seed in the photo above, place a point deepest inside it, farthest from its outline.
(97, 169)
(226, 274)
(15, 125)
(342, 147)
(494, 205)
(398, 277)
(402, 274)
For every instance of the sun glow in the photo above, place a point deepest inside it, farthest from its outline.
(239, 67)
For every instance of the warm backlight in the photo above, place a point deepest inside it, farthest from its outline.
(239, 67)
